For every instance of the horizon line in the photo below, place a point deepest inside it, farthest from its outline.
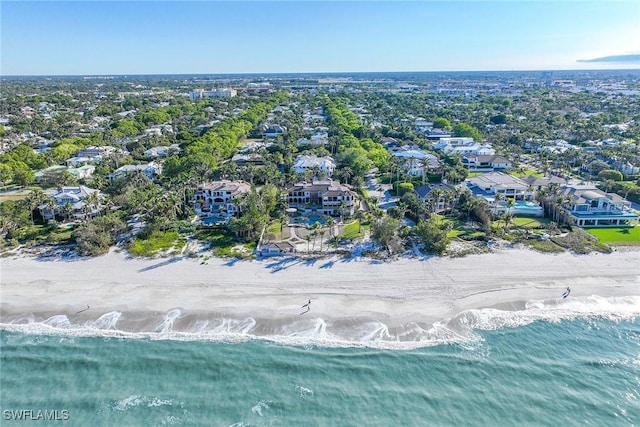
(257, 73)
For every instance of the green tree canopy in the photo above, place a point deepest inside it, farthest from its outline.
(441, 123)
(610, 175)
(466, 130)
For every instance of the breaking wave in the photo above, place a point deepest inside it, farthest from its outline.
(355, 332)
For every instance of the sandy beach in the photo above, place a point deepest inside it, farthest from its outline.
(405, 290)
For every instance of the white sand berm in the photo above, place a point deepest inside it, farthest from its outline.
(399, 291)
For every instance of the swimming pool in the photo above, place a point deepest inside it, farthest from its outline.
(213, 220)
(311, 219)
(526, 208)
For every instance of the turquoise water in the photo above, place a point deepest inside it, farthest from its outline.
(584, 371)
(525, 205)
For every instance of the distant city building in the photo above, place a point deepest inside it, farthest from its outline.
(215, 93)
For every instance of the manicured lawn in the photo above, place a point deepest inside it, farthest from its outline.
(525, 173)
(528, 222)
(626, 235)
(350, 231)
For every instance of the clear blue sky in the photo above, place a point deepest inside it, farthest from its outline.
(158, 37)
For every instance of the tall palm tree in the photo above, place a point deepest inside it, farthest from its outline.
(51, 207)
(560, 202)
(435, 196)
(66, 211)
(35, 199)
(360, 216)
(508, 216)
(496, 201)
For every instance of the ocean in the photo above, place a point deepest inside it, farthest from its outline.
(522, 368)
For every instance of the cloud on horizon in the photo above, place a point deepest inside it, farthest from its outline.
(633, 58)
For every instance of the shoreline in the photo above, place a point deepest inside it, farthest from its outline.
(350, 296)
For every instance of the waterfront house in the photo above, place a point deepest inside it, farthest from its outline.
(440, 195)
(276, 249)
(322, 198)
(83, 202)
(496, 187)
(588, 206)
(217, 199)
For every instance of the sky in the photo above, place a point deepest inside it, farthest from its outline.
(189, 37)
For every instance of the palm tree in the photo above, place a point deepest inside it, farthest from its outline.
(435, 196)
(51, 207)
(496, 201)
(330, 224)
(314, 233)
(448, 197)
(66, 210)
(360, 216)
(321, 232)
(35, 199)
(510, 202)
(560, 202)
(93, 200)
(508, 216)
(308, 239)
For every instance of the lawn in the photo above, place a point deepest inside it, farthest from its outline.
(528, 222)
(351, 231)
(624, 235)
(156, 242)
(525, 173)
(275, 229)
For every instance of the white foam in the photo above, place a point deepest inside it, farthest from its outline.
(304, 392)
(58, 321)
(234, 326)
(135, 400)
(167, 323)
(106, 321)
(258, 407)
(316, 331)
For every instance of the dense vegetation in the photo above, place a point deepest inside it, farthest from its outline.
(50, 121)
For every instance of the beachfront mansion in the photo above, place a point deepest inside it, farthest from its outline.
(322, 198)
